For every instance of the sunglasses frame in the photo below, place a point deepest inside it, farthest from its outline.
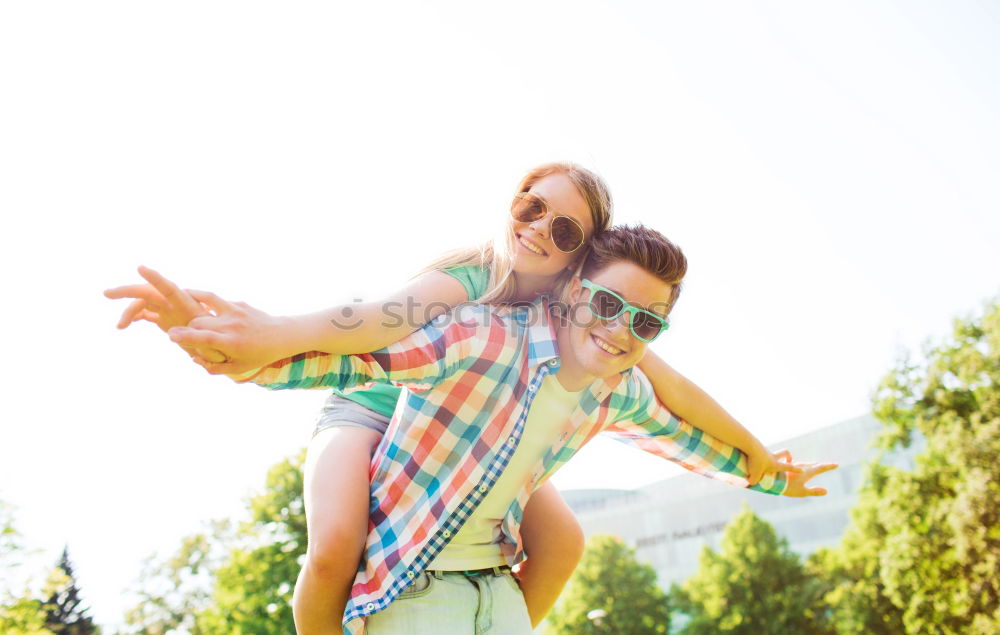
(546, 211)
(626, 308)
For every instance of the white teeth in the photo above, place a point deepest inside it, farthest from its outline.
(531, 247)
(606, 347)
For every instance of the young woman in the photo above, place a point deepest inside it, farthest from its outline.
(557, 208)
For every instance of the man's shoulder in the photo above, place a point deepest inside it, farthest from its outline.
(634, 389)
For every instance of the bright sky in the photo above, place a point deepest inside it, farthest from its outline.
(830, 170)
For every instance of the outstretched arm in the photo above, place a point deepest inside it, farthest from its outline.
(248, 338)
(640, 421)
(419, 361)
(689, 402)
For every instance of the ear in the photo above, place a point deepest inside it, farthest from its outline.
(574, 289)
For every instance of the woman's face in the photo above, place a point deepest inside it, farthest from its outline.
(534, 252)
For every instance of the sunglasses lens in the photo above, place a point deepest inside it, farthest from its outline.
(605, 305)
(527, 208)
(566, 234)
(645, 325)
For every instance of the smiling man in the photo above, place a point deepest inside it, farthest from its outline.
(496, 401)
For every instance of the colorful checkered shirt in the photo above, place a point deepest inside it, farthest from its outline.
(471, 376)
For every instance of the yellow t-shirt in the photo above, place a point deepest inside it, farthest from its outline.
(476, 545)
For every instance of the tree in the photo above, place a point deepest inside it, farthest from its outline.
(64, 613)
(611, 592)
(928, 540)
(175, 590)
(20, 614)
(855, 598)
(253, 589)
(754, 586)
(232, 582)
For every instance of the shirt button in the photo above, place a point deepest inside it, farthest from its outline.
(410, 574)
(531, 388)
(446, 533)
(511, 441)
(370, 606)
(483, 488)
(553, 362)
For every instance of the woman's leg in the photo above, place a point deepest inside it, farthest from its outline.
(336, 505)
(553, 542)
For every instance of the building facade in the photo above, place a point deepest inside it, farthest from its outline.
(669, 522)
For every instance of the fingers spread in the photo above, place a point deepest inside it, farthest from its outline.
(171, 292)
(819, 468)
(143, 291)
(161, 284)
(129, 314)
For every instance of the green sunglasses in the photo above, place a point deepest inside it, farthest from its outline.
(608, 305)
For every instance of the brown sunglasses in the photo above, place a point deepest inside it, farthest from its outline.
(567, 233)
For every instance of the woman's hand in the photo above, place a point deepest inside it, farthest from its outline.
(249, 337)
(164, 304)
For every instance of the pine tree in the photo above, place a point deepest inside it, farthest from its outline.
(64, 613)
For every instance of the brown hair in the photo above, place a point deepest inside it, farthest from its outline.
(641, 246)
(497, 255)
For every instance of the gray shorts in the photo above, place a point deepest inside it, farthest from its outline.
(338, 411)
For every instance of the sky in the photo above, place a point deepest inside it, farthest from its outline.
(829, 170)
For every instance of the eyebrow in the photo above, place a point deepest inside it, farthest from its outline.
(639, 306)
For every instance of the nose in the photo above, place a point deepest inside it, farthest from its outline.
(619, 327)
(541, 226)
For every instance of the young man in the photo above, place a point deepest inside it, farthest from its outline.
(497, 400)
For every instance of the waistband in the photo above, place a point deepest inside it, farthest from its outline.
(473, 573)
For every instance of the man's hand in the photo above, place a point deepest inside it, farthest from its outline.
(164, 304)
(797, 481)
(760, 462)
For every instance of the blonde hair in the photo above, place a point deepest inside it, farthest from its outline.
(497, 255)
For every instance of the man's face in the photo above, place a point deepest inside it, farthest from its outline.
(594, 348)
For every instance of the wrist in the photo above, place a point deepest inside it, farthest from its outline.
(285, 335)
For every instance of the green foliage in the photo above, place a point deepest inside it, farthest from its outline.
(22, 616)
(923, 550)
(19, 613)
(253, 590)
(855, 596)
(175, 590)
(611, 580)
(229, 582)
(754, 586)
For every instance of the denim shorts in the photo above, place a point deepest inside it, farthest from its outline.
(338, 411)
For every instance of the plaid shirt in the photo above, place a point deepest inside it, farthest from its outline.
(471, 376)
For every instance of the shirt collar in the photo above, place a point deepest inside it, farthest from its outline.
(538, 320)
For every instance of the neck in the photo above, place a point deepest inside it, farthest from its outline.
(528, 286)
(570, 375)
